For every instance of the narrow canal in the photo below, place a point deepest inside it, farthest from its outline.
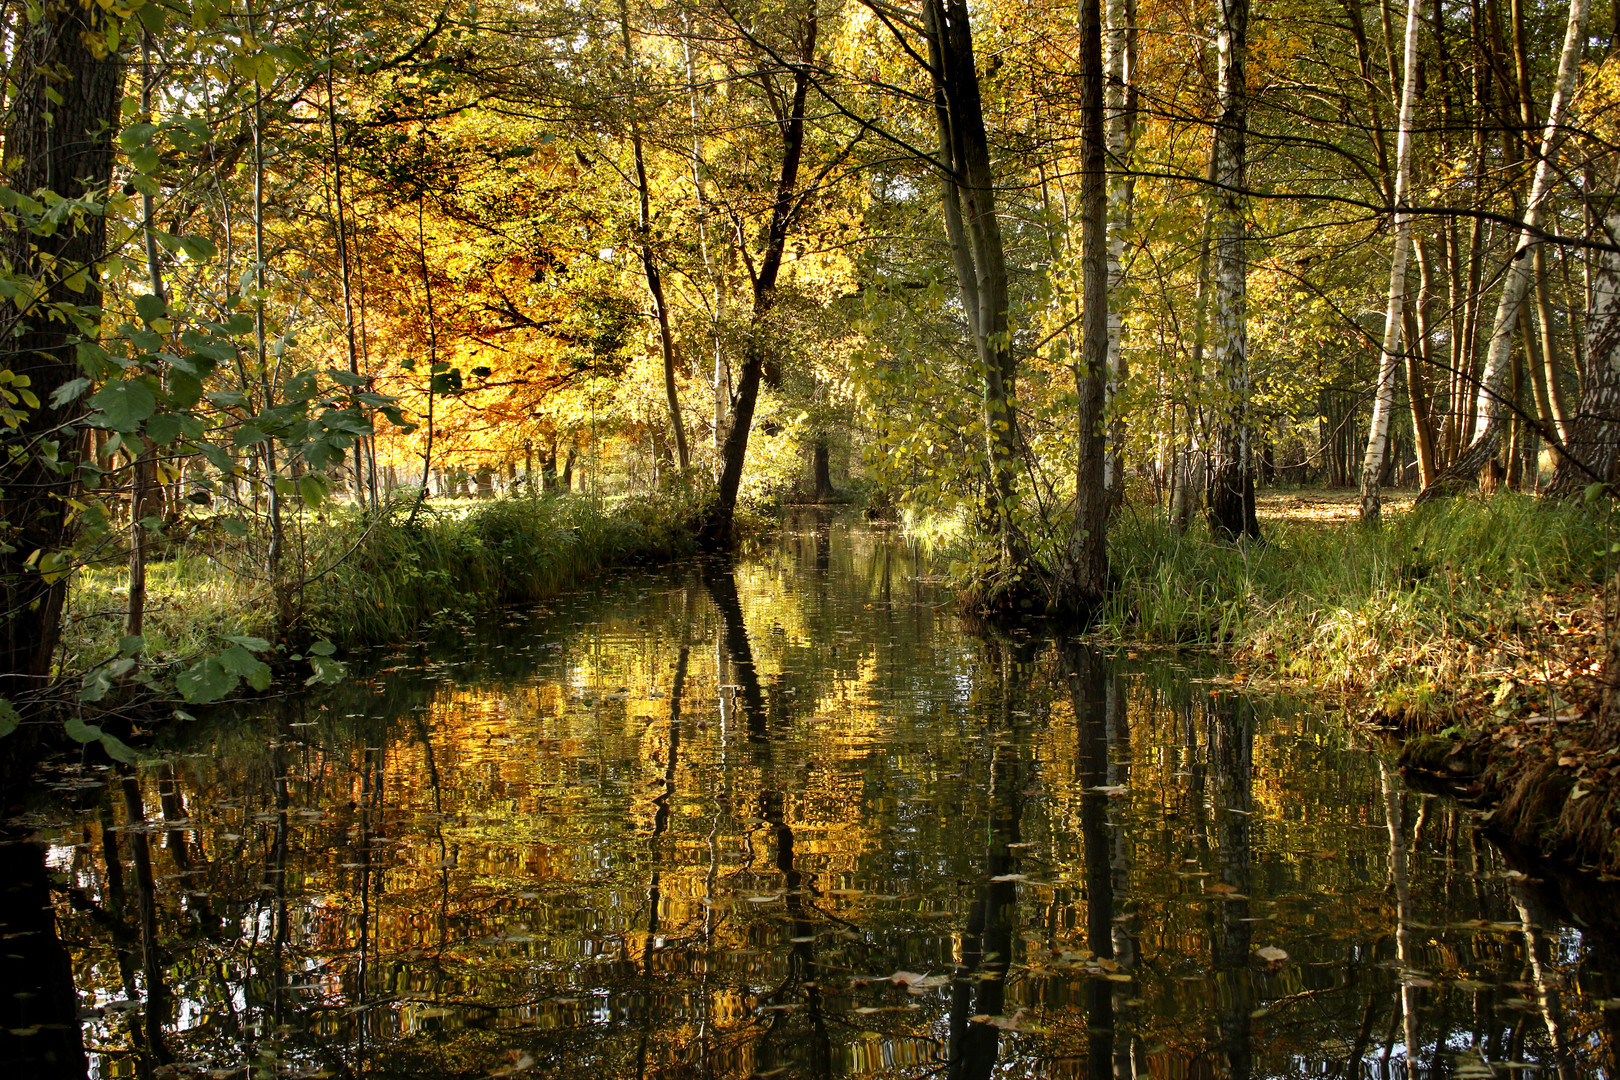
(786, 817)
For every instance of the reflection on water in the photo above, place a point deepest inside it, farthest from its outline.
(783, 817)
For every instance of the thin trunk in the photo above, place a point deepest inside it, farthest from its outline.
(1120, 104)
(273, 554)
(1372, 462)
(1420, 361)
(365, 459)
(1088, 552)
(1552, 401)
(1490, 406)
(716, 531)
(649, 267)
(1231, 492)
(974, 232)
(142, 464)
(433, 352)
(1594, 441)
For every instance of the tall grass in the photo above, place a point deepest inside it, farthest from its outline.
(400, 571)
(1438, 595)
(374, 578)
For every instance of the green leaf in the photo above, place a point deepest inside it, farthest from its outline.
(116, 749)
(163, 429)
(131, 645)
(251, 644)
(312, 487)
(68, 391)
(125, 404)
(323, 647)
(205, 681)
(9, 720)
(236, 528)
(152, 16)
(238, 661)
(97, 684)
(79, 731)
(151, 308)
(198, 248)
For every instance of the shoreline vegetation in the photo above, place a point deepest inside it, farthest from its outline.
(1473, 631)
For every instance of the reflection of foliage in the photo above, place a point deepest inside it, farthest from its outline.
(482, 819)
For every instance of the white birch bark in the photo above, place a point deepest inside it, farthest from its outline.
(1372, 463)
(1490, 407)
(1594, 443)
(1119, 61)
(1231, 510)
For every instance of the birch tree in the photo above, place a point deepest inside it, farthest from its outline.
(1120, 105)
(1231, 490)
(1492, 400)
(1372, 463)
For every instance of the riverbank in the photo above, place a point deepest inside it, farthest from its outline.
(372, 579)
(1473, 631)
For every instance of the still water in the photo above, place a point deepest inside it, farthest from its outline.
(790, 817)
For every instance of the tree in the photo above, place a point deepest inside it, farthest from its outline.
(59, 146)
(1372, 466)
(1231, 485)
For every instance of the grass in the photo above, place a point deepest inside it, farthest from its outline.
(372, 579)
(1443, 603)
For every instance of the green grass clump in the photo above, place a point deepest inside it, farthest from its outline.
(369, 578)
(448, 559)
(1436, 597)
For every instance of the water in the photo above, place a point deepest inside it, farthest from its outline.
(789, 818)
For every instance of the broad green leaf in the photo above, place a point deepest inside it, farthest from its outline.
(9, 720)
(205, 681)
(125, 403)
(68, 391)
(97, 684)
(79, 731)
(131, 645)
(163, 429)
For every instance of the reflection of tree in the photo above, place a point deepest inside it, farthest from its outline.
(800, 980)
(1230, 735)
(39, 1025)
(1101, 766)
(979, 983)
(156, 1007)
(661, 813)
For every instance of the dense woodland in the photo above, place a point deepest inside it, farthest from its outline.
(1010, 267)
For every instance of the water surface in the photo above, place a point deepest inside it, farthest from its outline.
(789, 817)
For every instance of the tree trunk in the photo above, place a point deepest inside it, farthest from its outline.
(1594, 441)
(1088, 549)
(821, 471)
(974, 232)
(1490, 405)
(716, 530)
(1120, 104)
(62, 143)
(1372, 462)
(649, 267)
(1231, 492)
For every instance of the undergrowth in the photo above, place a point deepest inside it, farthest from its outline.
(1441, 601)
(373, 578)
